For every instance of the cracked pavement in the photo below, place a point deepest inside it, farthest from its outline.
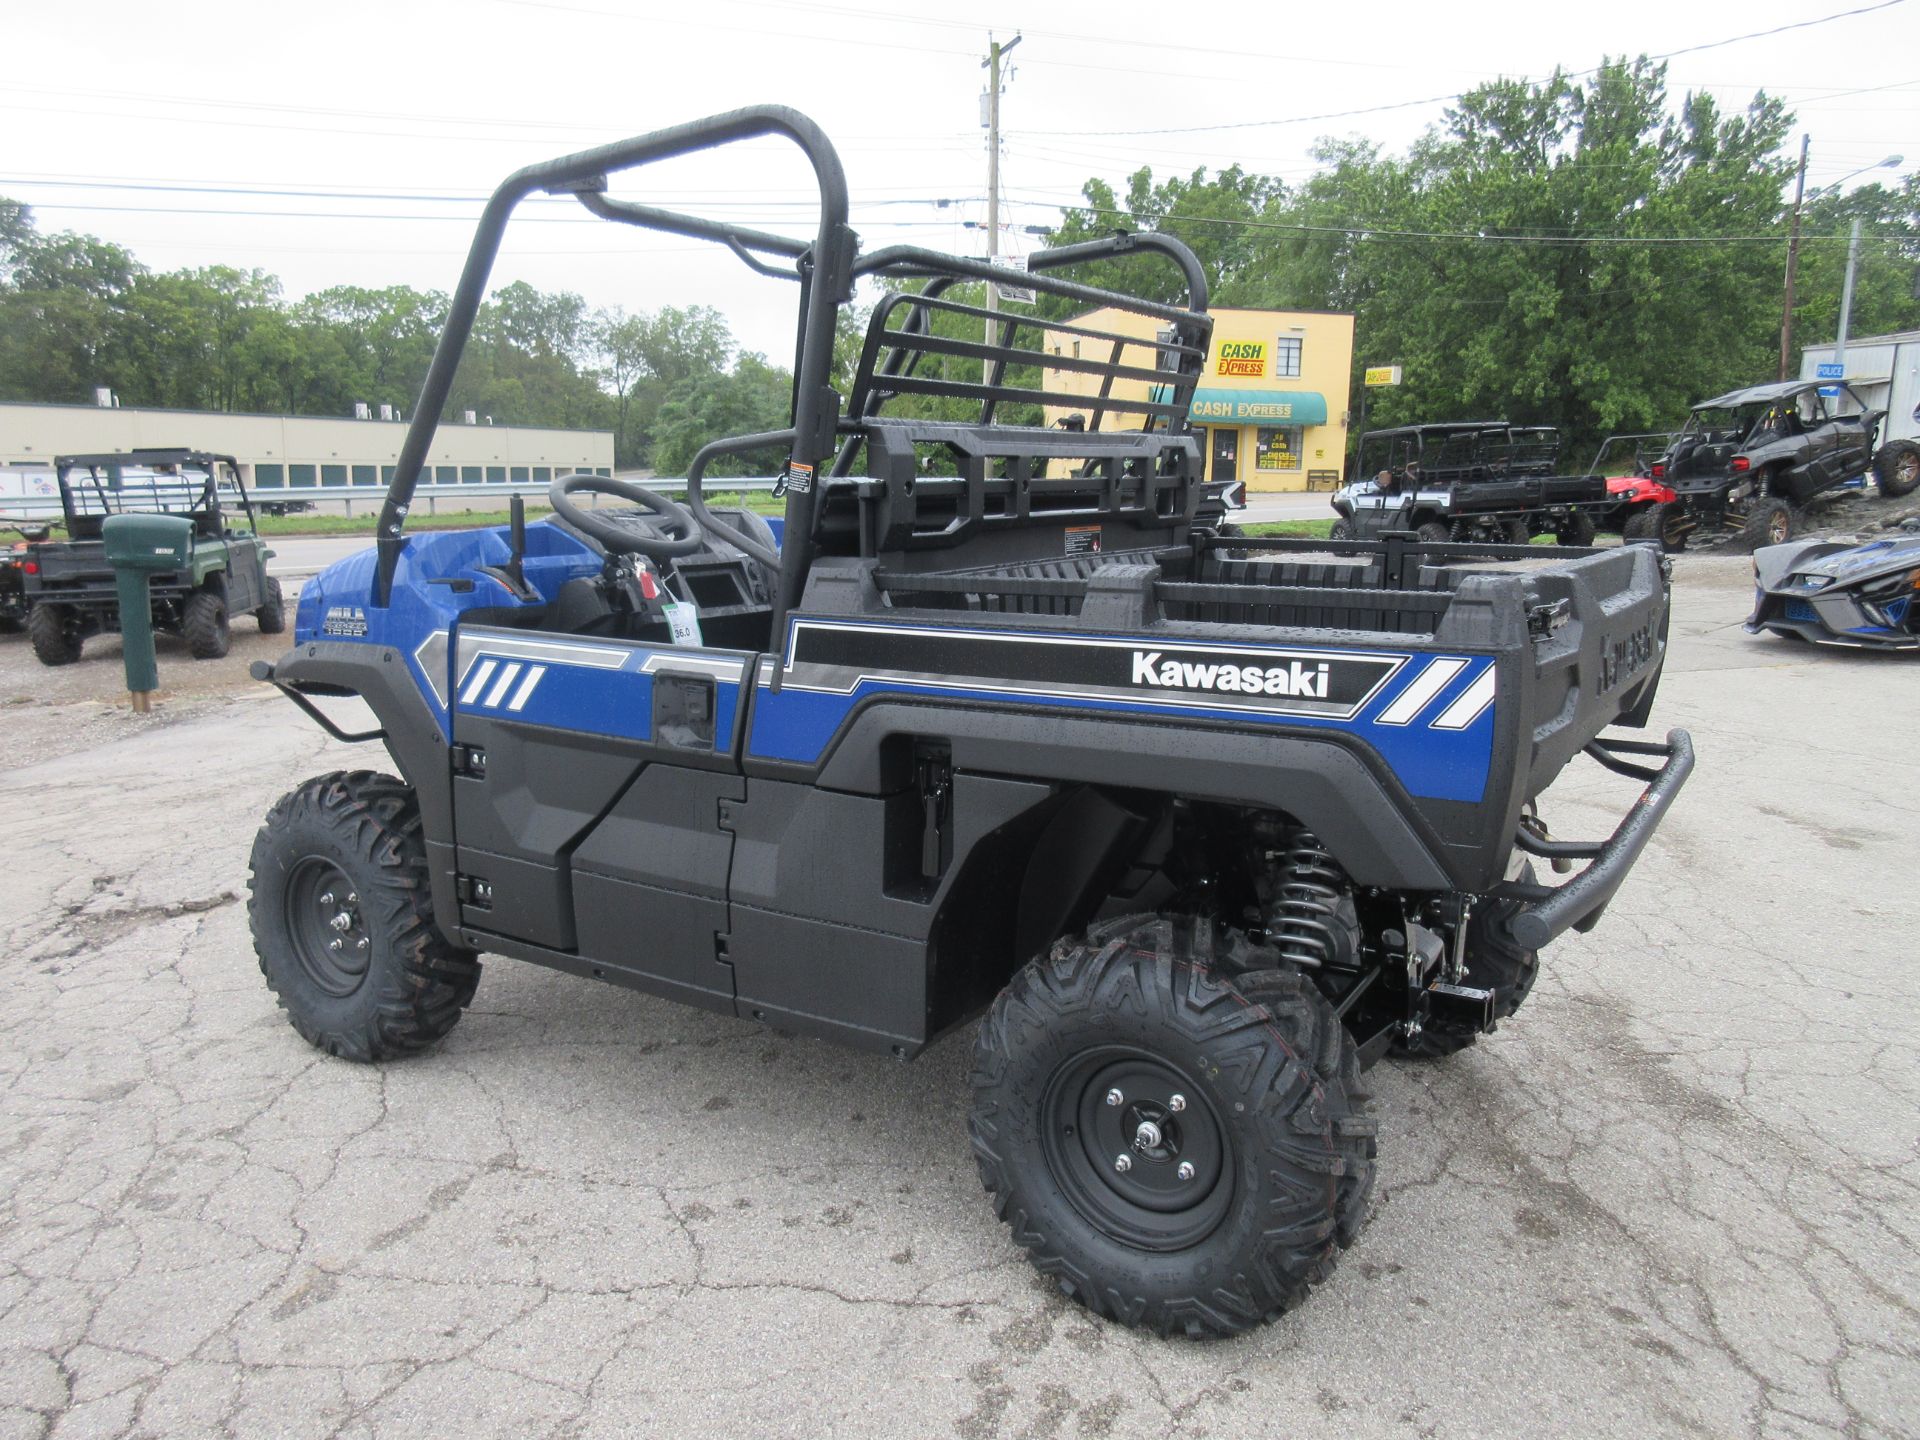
(1676, 1196)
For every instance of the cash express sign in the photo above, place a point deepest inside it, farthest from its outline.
(1242, 358)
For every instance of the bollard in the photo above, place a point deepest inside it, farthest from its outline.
(140, 547)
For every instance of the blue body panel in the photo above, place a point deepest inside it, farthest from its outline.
(1440, 747)
(797, 723)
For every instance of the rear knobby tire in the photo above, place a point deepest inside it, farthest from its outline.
(1434, 533)
(1273, 1117)
(1493, 962)
(203, 621)
(350, 843)
(1897, 468)
(272, 613)
(55, 633)
(1769, 522)
(1341, 530)
(1579, 530)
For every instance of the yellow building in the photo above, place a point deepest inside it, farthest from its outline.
(1271, 406)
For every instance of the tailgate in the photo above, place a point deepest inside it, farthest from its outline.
(1597, 630)
(70, 562)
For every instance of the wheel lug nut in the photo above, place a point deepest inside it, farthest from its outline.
(1114, 1097)
(361, 943)
(352, 898)
(1177, 1104)
(1123, 1163)
(327, 899)
(333, 945)
(1185, 1172)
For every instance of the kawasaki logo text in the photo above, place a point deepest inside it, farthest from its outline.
(1297, 678)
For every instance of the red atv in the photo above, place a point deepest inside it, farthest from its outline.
(1636, 497)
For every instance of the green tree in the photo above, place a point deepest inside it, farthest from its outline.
(1886, 288)
(701, 408)
(1520, 259)
(644, 357)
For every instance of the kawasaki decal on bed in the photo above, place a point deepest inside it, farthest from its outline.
(838, 658)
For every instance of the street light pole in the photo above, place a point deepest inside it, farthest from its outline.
(1793, 262)
(1846, 298)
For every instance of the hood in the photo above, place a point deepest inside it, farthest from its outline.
(1835, 563)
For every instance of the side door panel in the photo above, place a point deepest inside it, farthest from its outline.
(550, 734)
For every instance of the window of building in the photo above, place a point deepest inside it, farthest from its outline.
(386, 474)
(366, 475)
(1278, 449)
(603, 471)
(302, 475)
(268, 477)
(496, 474)
(1286, 358)
(542, 474)
(517, 474)
(446, 474)
(333, 474)
(469, 474)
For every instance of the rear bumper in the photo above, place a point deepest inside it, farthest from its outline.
(1549, 910)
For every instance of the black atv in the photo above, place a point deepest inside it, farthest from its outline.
(1749, 461)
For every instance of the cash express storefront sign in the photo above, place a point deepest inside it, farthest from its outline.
(1213, 406)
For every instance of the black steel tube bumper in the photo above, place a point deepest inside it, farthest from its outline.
(1552, 910)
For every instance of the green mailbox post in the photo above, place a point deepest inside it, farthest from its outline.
(139, 547)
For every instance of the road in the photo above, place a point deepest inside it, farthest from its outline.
(298, 556)
(1676, 1196)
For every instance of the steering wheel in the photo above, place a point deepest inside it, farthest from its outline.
(681, 537)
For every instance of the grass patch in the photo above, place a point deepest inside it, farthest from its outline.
(1292, 529)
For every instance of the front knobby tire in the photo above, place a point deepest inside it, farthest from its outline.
(1271, 1117)
(383, 981)
(272, 614)
(1897, 468)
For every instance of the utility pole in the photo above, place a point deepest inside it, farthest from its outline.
(1846, 297)
(1793, 262)
(996, 52)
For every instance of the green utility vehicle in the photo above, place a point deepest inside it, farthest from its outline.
(70, 585)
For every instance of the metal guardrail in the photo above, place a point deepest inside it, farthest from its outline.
(371, 497)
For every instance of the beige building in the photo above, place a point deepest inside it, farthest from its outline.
(1271, 405)
(303, 452)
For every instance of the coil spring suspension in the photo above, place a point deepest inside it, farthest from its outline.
(1307, 925)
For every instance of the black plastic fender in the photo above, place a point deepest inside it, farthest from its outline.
(380, 676)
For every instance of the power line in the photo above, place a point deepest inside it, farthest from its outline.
(417, 197)
(1367, 232)
(1457, 95)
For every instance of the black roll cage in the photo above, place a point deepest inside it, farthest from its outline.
(111, 501)
(826, 268)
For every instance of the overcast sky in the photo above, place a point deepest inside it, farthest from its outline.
(395, 117)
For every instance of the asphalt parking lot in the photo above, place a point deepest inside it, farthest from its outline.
(1679, 1195)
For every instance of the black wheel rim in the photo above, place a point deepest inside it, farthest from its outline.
(1177, 1180)
(327, 927)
